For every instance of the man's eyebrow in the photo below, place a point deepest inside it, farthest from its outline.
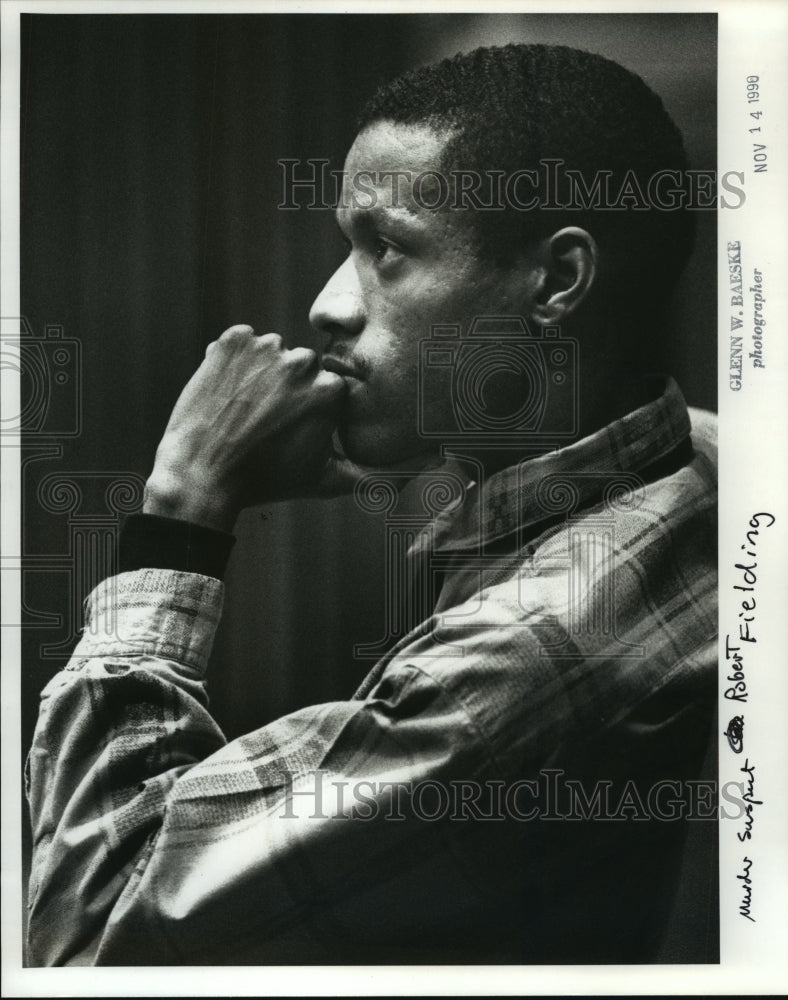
(363, 218)
(368, 220)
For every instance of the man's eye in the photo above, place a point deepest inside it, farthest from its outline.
(384, 250)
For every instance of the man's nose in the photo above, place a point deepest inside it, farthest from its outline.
(338, 309)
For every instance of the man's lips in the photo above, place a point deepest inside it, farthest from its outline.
(331, 364)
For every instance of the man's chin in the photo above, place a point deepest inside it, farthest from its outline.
(371, 452)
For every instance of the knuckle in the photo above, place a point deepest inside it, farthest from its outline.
(270, 341)
(236, 334)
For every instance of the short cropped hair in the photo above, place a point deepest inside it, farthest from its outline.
(514, 107)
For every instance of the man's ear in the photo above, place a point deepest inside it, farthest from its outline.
(567, 272)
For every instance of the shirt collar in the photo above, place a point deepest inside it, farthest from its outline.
(510, 499)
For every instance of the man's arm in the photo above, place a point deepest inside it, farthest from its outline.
(156, 843)
(128, 715)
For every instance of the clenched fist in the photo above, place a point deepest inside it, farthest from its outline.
(253, 424)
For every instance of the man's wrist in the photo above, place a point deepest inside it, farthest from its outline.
(195, 500)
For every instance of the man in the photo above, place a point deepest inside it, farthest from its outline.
(506, 785)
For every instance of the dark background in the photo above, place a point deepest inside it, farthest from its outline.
(150, 187)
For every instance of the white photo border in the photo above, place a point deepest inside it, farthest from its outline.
(753, 422)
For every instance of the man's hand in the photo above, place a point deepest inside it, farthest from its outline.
(253, 424)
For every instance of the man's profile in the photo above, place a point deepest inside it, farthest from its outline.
(508, 783)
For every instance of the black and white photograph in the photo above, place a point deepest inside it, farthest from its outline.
(394, 553)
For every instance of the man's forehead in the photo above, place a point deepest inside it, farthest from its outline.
(393, 169)
(387, 145)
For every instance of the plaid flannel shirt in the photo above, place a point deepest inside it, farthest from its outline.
(573, 637)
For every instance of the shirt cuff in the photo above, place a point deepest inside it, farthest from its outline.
(148, 541)
(152, 613)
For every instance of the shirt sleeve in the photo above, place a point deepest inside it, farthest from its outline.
(150, 541)
(156, 842)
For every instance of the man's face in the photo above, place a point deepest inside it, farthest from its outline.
(407, 269)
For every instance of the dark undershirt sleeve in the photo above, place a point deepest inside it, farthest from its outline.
(148, 541)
